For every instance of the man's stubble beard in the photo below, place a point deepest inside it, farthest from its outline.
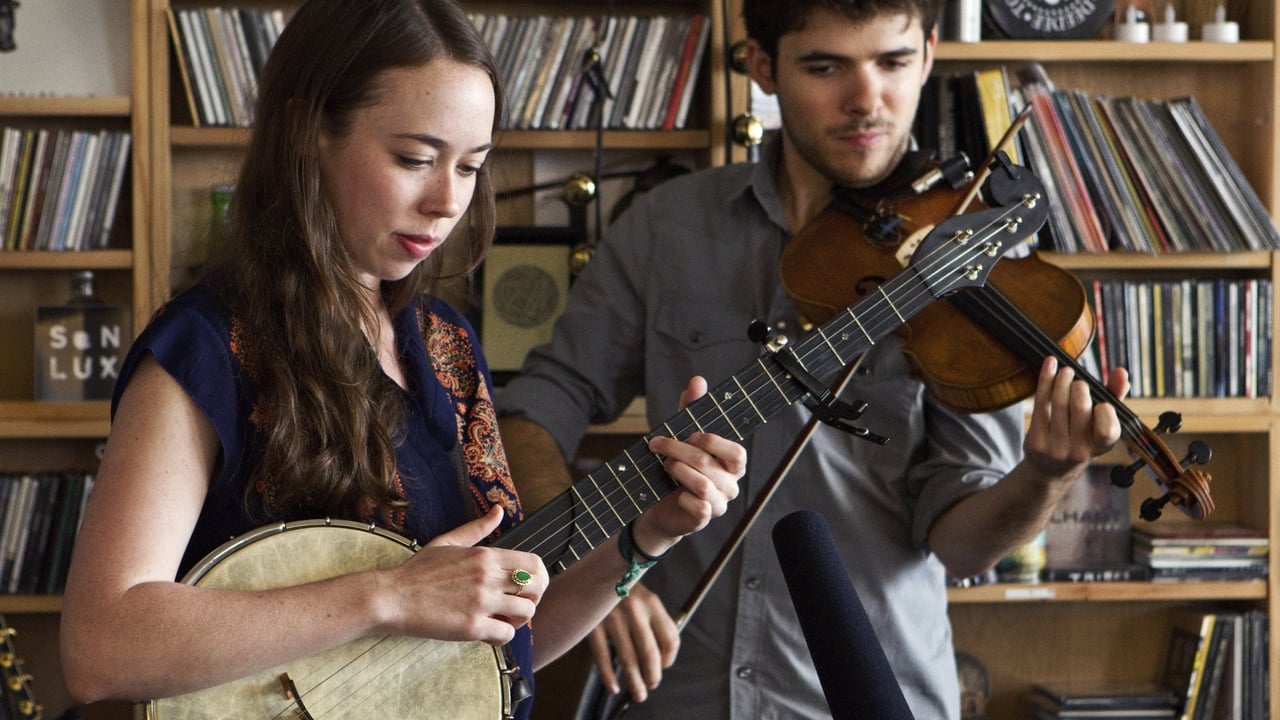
(864, 175)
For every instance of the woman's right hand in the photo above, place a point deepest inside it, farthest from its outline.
(452, 590)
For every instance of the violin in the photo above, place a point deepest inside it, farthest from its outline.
(981, 348)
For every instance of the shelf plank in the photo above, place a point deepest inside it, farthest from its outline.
(69, 260)
(30, 604)
(1218, 415)
(65, 106)
(1047, 51)
(1109, 592)
(33, 419)
(1124, 261)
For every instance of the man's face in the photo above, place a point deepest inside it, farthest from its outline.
(847, 93)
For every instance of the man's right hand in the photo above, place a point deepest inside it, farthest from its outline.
(644, 639)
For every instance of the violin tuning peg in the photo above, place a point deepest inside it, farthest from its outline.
(1170, 422)
(1122, 475)
(1152, 507)
(1198, 453)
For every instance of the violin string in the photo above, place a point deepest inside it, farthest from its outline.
(1169, 471)
(1005, 313)
(1015, 321)
(880, 312)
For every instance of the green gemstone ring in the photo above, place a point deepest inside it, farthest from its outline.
(521, 578)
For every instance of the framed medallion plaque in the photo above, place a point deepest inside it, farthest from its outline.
(524, 285)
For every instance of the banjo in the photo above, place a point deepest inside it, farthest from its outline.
(405, 677)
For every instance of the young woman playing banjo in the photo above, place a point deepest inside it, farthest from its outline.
(312, 375)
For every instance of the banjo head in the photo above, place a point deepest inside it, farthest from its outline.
(376, 677)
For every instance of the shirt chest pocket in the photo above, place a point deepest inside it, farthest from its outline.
(694, 327)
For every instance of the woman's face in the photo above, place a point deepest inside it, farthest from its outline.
(404, 175)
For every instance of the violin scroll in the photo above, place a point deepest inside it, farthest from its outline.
(1186, 488)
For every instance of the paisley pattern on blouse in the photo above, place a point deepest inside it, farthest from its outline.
(453, 361)
(449, 350)
(241, 350)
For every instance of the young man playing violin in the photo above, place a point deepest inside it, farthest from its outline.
(671, 293)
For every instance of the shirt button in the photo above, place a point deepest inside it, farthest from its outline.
(744, 672)
(753, 583)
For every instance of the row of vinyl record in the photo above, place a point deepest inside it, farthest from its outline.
(60, 189)
(645, 77)
(220, 53)
(1121, 173)
(39, 518)
(1185, 338)
(648, 66)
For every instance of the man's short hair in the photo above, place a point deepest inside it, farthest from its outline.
(768, 20)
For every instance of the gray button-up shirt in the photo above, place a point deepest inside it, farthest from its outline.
(669, 295)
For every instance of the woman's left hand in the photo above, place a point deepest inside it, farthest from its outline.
(706, 466)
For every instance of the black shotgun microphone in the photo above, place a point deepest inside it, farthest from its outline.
(851, 664)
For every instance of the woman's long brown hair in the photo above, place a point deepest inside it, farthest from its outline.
(330, 418)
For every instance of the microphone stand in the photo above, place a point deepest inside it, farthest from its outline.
(597, 703)
(581, 189)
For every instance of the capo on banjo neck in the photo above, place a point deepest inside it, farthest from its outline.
(820, 400)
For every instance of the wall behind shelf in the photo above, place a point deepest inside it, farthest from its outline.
(45, 61)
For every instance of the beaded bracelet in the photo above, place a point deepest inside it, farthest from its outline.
(629, 550)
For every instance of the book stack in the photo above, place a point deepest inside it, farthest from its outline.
(650, 65)
(1189, 551)
(60, 188)
(39, 518)
(1099, 699)
(220, 52)
(1216, 663)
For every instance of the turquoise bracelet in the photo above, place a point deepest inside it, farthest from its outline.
(628, 549)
